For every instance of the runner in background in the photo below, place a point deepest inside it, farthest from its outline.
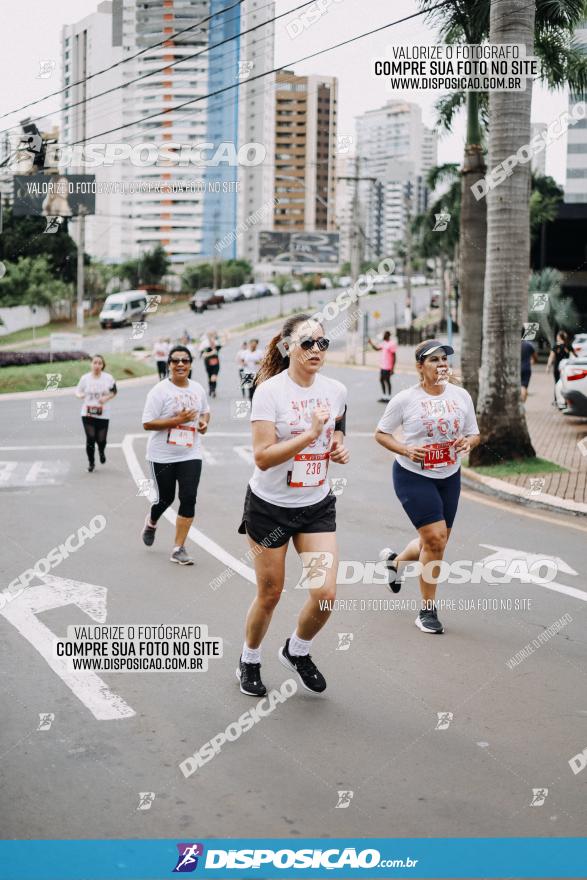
(297, 418)
(251, 360)
(160, 352)
(528, 357)
(176, 412)
(439, 425)
(387, 359)
(96, 389)
(561, 349)
(240, 364)
(210, 354)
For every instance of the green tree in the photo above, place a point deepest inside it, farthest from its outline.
(153, 265)
(30, 282)
(502, 421)
(197, 275)
(545, 199)
(558, 312)
(562, 63)
(235, 272)
(25, 237)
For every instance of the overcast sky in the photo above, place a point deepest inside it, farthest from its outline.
(36, 27)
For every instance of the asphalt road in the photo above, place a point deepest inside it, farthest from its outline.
(173, 323)
(376, 732)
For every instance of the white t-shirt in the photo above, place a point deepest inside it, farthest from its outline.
(430, 419)
(161, 350)
(164, 401)
(251, 360)
(93, 389)
(280, 400)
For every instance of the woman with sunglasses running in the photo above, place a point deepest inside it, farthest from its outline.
(298, 428)
(439, 425)
(177, 412)
(96, 388)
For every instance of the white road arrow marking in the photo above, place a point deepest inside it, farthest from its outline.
(55, 592)
(509, 555)
(246, 453)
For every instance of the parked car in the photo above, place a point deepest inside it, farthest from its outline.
(345, 281)
(262, 289)
(249, 291)
(272, 288)
(230, 294)
(573, 380)
(204, 299)
(293, 286)
(123, 308)
(580, 344)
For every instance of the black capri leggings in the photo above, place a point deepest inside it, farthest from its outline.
(96, 432)
(187, 476)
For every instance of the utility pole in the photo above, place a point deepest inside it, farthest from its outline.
(356, 255)
(81, 242)
(408, 187)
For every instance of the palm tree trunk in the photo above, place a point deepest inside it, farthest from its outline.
(473, 240)
(504, 432)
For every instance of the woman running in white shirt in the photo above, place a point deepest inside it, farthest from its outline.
(298, 427)
(439, 425)
(96, 388)
(177, 412)
(251, 359)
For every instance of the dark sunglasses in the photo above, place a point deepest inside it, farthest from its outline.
(179, 361)
(322, 342)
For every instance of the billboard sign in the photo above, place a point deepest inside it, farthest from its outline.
(299, 247)
(54, 195)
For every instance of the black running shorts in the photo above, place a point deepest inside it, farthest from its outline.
(273, 526)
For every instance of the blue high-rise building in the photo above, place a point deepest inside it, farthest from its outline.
(220, 198)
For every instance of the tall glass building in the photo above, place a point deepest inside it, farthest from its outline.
(220, 198)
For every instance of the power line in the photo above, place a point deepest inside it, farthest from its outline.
(123, 60)
(260, 75)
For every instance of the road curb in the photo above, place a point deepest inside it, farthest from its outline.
(508, 492)
(151, 378)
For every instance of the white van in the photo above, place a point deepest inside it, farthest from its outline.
(122, 308)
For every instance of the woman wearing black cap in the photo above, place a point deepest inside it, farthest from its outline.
(439, 425)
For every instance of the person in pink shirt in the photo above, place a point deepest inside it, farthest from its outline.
(387, 358)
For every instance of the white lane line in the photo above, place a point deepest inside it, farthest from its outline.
(208, 457)
(246, 453)
(55, 592)
(196, 535)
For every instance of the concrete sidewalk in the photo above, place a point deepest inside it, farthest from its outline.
(555, 437)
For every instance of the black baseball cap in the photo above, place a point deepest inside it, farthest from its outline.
(430, 347)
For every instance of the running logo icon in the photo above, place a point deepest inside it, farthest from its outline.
(188, 857)
(344, 799)
(441, 222)
(315, 567)
(344, 641)
(444, 719)
(138, 329)
(539, 795)
(539, 302)
(46, 719)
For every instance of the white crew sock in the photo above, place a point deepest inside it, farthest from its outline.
(250, 655)
(298, 647)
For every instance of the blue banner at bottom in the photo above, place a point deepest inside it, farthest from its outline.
(267, 859)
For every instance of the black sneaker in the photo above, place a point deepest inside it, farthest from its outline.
(394, 579)
(91, 468)
(102, 458)
(427, 620)
(309, 674)
(148, 534)
(249, 675)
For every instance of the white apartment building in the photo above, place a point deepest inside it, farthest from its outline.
(395, 148)
(576, 179)
(88, 46)
(172, 218)
(256, 124)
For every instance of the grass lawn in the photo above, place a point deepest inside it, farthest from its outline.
(33, 377)
(91, 326)
(519, 468)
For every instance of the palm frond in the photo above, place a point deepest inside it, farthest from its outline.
(447, 173)
(447, 108)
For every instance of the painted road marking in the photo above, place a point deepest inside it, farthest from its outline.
(510, 555)
(60, 446)
(246, 453)
(32, 473)
(196, 535)
(55, 592)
